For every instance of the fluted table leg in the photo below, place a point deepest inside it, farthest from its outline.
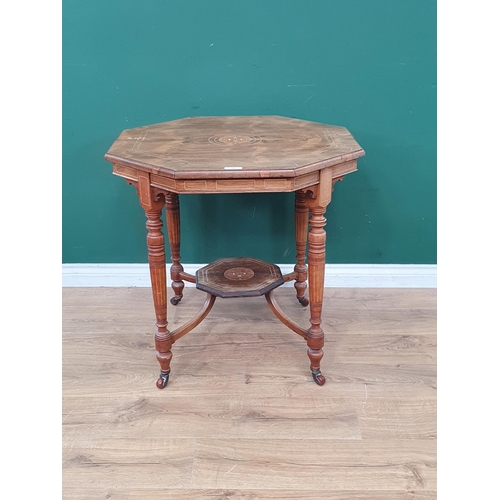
(156, 257)
(317, 201)
(174, 238)
(301, 225)
(153, 203)
(316, 261)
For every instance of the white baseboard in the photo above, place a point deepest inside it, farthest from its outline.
(336, 275)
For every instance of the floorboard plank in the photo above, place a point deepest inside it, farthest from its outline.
(224, 494)
(314, 464)
(213, 416)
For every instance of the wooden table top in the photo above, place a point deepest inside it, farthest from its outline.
(233, 147)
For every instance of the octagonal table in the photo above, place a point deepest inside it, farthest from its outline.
(236, 154)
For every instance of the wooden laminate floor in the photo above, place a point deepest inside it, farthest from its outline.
(241, 417)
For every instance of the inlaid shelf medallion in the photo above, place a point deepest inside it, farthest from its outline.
(236, 154)
(242, 277)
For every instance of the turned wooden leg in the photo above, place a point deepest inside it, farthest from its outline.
(174, 238)
(317, 200)
(156, 256)
(316, 263)
(301, 225)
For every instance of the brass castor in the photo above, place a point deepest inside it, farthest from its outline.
(174, 300)
(162, 381)
(303, 301)
(318, 378)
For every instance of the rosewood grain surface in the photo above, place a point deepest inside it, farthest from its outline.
(255, 146)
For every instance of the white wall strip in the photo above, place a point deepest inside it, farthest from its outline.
(336, 275)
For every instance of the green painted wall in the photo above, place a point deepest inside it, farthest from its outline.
(367, 65)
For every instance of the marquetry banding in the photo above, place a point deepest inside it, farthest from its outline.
(159, 181)
(195, 185)
(230, 184)
(126, 172)
(277, 184)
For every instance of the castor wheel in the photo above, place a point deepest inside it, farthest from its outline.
(162, 381)
(318, 378)
(303, 301)
(174, 300)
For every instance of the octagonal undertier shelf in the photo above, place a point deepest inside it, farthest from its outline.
(239, 277)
